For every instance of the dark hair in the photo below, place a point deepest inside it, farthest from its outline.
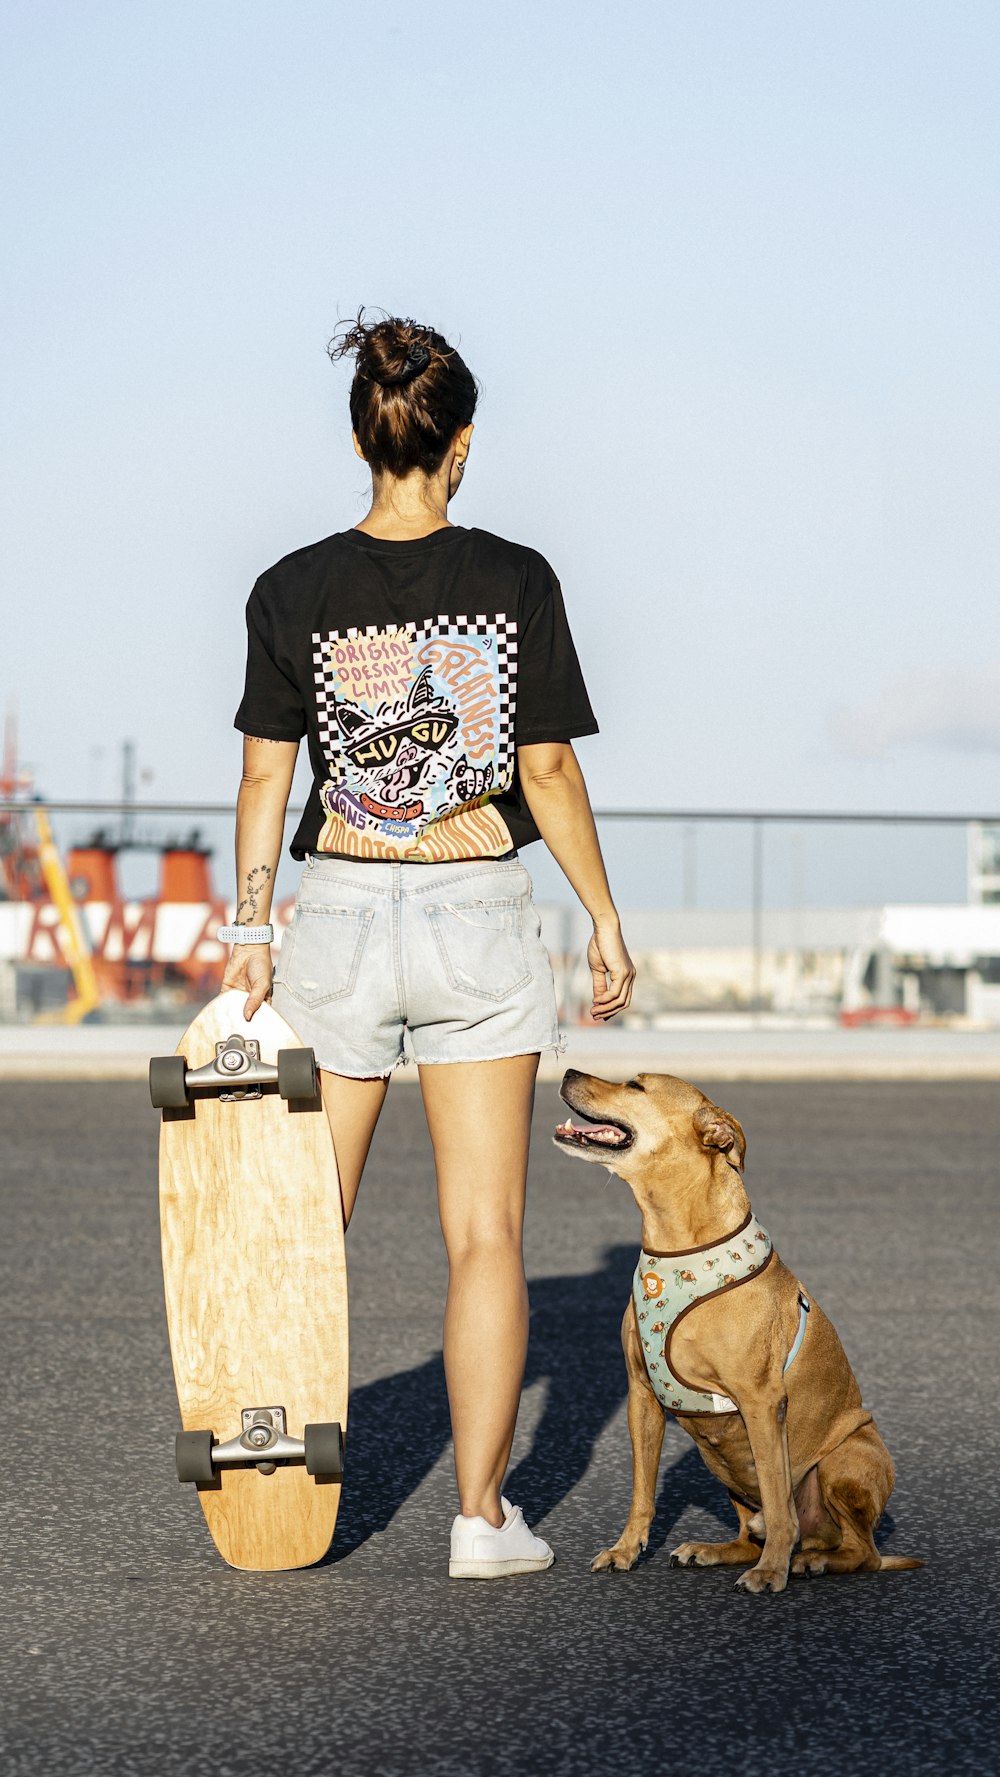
(411, 393)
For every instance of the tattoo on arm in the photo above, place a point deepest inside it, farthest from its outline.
(257, 879)
(262, 740)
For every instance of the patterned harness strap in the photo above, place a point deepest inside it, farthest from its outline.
(668, 1285)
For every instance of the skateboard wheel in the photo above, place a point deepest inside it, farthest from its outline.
(193, 1453)
(325, 1451)
(297, 1073)
(167, 1088)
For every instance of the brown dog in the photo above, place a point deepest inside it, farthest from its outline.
(801, 1458)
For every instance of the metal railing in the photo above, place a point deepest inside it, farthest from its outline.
(733, 912)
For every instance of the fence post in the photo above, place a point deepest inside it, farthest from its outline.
(689, 866)
(757, 907)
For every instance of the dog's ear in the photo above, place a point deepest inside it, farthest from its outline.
(715, 1128)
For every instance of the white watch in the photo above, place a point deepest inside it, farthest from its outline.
(245, 934)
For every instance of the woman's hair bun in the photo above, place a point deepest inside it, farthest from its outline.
(391, 356)
(397, 363)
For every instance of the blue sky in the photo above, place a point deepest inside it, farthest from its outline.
(727, 272)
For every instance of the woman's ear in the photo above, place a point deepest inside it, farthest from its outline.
(715, 1128)
(459, 456)
(357, 446)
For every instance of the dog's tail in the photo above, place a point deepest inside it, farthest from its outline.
(894, 1563)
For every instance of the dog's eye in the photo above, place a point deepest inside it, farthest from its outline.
(636, 1084)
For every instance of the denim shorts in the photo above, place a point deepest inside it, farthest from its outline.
(451, 953)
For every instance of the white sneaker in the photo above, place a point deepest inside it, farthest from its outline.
(479, 1551)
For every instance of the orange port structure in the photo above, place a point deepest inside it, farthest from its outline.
(74, 916)
(185, 873)
(142, 948)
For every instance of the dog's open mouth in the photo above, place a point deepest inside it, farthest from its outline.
(594, 1135)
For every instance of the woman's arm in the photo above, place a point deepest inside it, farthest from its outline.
(560, 807)
(268, 767)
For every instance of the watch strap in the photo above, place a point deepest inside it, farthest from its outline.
(237, 934)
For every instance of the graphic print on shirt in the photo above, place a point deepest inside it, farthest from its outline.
(417, 727)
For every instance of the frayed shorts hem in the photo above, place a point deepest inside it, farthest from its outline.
(346, 1073)
(504, 1055)
(556, 1044)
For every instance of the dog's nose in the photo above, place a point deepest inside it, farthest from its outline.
(572, 1073)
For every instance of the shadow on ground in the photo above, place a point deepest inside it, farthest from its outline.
(584, 1372)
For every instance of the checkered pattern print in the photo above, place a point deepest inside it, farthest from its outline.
(442, 628)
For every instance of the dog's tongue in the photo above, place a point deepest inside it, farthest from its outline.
(602, 1132)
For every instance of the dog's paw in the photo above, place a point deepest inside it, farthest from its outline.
(687, 1555)
(763, 1579)
(808, 1565)
(696, 1555)
(732, 1554)
(619, 1559)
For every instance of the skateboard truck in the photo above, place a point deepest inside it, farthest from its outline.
(239, 1061)
(237, 1073)
(264, 1435)
(262, 1443)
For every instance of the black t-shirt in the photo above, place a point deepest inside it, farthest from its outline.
(415, 669)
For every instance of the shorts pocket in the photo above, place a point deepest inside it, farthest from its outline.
(481, 944)
(321, 952)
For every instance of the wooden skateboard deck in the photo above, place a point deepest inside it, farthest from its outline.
(255, 1280)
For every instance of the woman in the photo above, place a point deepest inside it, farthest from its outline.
(433, 673)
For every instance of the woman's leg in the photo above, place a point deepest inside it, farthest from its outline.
(352, 1107)
(479, 1117)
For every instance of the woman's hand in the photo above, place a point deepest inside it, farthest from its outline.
(250, 967)
(612, 968)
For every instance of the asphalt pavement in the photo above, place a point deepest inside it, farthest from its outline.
(126, 1646)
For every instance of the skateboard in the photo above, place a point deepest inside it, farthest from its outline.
(255, 1280)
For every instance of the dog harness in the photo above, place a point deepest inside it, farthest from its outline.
(668, 1285)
